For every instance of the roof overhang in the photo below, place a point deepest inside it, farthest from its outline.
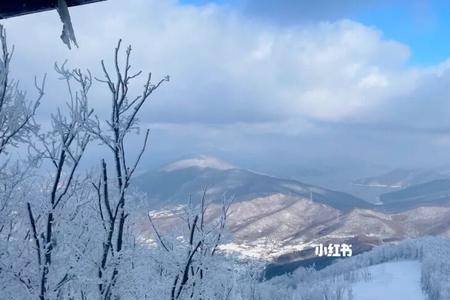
(12, 8)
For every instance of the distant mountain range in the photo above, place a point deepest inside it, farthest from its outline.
(433, 192)
(282, 220)
(401, 178)
(403, 189)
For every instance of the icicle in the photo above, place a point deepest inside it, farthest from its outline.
(68, 34)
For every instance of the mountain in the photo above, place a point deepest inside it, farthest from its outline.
(364, 229)
(433, 192)
(383, 188)
(281, 220)
(176, 182)
(401, 178)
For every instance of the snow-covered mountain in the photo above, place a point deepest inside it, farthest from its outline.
(177, 181)
(364, 229)
(282, 220)
(199, 162)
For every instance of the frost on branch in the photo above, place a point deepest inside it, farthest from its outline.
(113, 133)
(16, 112)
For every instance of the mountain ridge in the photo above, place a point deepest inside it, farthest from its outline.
(170, 185)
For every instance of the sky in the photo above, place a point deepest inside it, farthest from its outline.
(313, 84)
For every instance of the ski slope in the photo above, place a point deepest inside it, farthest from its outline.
(391, 281)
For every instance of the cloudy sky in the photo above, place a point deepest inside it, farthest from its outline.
(268, 82)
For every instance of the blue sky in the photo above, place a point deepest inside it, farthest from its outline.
(423, 25)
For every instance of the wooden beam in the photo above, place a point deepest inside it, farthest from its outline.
(15, 8)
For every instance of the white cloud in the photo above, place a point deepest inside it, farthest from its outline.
(229, 69)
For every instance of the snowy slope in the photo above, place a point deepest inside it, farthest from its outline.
(391, 281)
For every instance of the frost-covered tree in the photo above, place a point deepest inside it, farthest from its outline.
(190, 260)
(113, 191)
(16, 112)
(16, 125)
(63, 147)
(39, 251)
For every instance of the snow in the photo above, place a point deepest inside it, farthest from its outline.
(391, 281)
(201, 162)
(261, 249)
